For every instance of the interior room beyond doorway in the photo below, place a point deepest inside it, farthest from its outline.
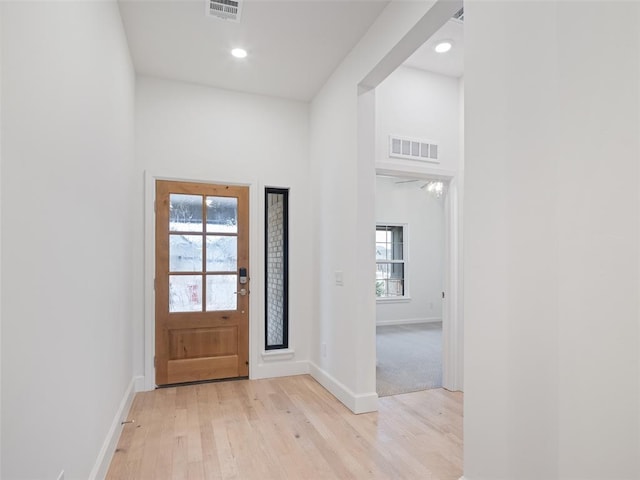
(410, 259)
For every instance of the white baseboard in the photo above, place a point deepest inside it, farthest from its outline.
(139, 385)
(100, 468)
(279, 369)
(360, 403)
(409, 321)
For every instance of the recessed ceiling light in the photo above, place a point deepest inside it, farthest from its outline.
(443, 46)
(239, 52)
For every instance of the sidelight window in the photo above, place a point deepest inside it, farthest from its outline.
(276, 268)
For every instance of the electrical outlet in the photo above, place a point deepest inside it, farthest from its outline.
(323, 350)
(61, 475)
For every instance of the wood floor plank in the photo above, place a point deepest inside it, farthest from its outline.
(194, 443)
(207, 399)
(287, 428)
(166, 442)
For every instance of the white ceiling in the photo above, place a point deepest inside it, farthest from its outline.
(293, 45)
(450, 63)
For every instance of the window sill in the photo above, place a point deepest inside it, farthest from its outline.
(393, 300)
(275, 355)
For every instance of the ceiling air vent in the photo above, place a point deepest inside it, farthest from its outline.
(224, 9)
(412, 149)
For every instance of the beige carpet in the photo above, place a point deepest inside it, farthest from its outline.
(409, 358)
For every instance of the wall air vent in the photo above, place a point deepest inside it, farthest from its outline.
(224, 9)
(412, 149)
(459, 15)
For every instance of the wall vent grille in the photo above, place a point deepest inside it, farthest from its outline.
(413, 149)
(224, 9)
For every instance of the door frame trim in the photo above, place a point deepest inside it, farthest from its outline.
(149, 268)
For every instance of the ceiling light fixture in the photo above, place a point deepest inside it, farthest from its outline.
(239, 52)
(443, 46)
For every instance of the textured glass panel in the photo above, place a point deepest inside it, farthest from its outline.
(185, 253)
(221, 292)
(275, 252)
(222, 214)
(185, 213)
(222, 254)
(185, 293)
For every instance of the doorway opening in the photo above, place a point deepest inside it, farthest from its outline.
(410, 259)
(411, 125)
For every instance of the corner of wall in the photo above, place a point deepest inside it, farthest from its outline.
(138, 383)
(362, 403)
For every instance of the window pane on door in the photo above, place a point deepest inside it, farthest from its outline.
(222, 254)
(222, 214)
(221, 292)
(185, 213)
(185, 293)
(185, 253)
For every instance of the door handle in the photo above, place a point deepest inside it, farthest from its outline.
(243, 292)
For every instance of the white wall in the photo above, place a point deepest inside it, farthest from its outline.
(67, 165)
(423, 214)
(552, 240)
(198, 133)
(0, 241)
(418, 104)
(459, 246)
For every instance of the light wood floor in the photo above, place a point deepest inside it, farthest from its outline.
(287, 428)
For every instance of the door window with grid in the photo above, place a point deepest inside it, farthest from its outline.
(390, 261)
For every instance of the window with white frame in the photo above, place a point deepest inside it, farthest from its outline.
(390, 261)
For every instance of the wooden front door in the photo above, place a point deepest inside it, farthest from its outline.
(202, 283)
